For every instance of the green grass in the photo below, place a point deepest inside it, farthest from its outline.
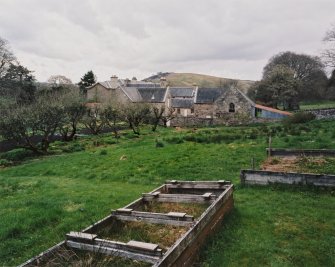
(41, 199)
(317, 104)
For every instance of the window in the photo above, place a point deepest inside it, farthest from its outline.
(231, 107)
(178, 110)
(192, 110)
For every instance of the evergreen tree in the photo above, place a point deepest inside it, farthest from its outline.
(87, 80)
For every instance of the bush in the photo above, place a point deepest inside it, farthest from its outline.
(300, 117)
(159, 143)
(17, 154)
(103, 152)
(174, 140)
(5, 163)
(73, 148)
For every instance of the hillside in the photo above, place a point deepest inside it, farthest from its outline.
(202, 80)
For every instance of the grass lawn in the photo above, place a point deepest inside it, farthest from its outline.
(41, 199)
(317, 105)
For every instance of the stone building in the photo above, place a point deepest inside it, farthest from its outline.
(189, 103)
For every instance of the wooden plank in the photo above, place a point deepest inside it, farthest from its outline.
(177, 219)
(128, 211)
(143, 245)
(79, 236)
(179, 198)
(207, 195)
(177, 214)
(221, 184)
(113, 251)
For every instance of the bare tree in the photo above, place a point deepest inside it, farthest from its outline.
(59, 80)
(6, 57)
(94, 119)
(73, 111)
(136, 114)
(22, 123)
(168, 115)
(161, 114)
(112, 115)
(328, 54)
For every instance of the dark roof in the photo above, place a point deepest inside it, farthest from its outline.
(152, 94)
(208, 95)
(181, 91)
(181, 103)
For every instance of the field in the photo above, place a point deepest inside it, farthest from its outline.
(317, 105)
(43, 198)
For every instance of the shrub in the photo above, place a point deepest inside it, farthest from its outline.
(300, 117)
(159, 144)
(174, 140)
(5, 162)
(103, 152)
(17, 154)
(73, 148)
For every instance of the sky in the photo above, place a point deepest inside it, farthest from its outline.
(225, 38)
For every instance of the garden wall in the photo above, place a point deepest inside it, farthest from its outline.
(326, 113)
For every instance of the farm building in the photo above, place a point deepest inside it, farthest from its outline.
(189, 103)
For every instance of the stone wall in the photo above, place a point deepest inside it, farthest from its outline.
(327, 113)
(233, 96)
(251, 177)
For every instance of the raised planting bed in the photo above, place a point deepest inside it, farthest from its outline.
(165, 227)
(283, 152)
(252, 177)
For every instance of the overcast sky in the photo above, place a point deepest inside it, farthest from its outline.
(227, 38)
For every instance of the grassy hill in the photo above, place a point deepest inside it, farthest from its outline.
(202, 80)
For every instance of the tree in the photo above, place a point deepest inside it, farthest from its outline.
(157, 115)
(307, 70)
(73, 111)
(329, 53)
(22, 123)
(59, 79)
(20, 83)
(278, 88)
(94, 119)
(136, 114)
(6, 57)
(87, 80)
(112, 116)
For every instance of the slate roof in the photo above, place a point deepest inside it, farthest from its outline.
(152, 94)
(181, 103)
(132, 93)
(208, 95)
(182, 91)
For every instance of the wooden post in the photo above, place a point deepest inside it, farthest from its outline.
(253, 163)
(270, 144)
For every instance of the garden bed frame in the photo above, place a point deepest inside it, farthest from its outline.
(217, 194)
(282, 152)
(252, 177)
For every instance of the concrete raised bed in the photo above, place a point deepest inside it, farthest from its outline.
(252, 177)
(281, 152)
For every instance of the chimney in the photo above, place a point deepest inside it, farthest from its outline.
(163, 82)
(127, 81)
(114, 78)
